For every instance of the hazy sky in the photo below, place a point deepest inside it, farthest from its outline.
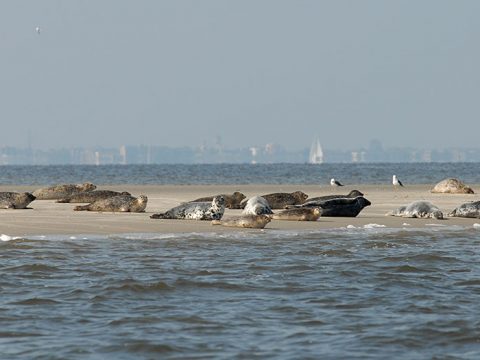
(253, 72)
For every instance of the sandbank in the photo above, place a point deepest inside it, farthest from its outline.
(49, 218)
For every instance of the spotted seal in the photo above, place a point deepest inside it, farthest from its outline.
(346, 207)
(202, 210)
(257, 205)
(452, 186)
(120, 203)
(418, 209)
(15, 200)
(298, 214)
(91, 196)
(468, 210)
(62, 191)
(245, 221)
(231, 201)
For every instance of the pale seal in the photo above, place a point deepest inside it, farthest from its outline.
(346, 207)
(15, 200)
(245, 221)
(202, 210)
(62, 191)
(418, 209)
(257, 205)
(452, 186)
(298, 214)
(231, 201)
(120, 203)
(468, 210)
(91, 196)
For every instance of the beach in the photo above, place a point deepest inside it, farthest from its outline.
(49, 218)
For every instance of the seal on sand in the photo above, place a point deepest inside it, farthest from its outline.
(280, 200)
(317, 201)
(418, 209)
(468, 210)
(245, 221)
(298, 214)
(91, 196)
(231, 201)
(257, 205)
(346, 207)
(15, 200)
(202, 210)
(120, 203)
(452, 186)
(62, 191)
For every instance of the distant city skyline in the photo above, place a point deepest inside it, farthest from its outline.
(184, 73)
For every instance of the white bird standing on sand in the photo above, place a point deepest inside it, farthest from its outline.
(396, 182)
(334, 182)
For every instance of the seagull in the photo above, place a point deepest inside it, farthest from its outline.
(37, 30)
(334, 182)
(396, 182)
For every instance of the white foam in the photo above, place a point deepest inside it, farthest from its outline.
(351, 227)
(476, 226)
(406, 224)
(4, 237)
(373, 226)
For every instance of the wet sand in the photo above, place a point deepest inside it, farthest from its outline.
(47, 217)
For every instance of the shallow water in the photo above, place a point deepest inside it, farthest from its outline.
(370, 293)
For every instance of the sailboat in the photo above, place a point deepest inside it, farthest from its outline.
(316, 153)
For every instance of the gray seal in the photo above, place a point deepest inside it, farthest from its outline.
(62, 191)
(346, 207)
(299, 214)
(15, 200)
(316, 200)
(280, 200)
(452, 186)
(245, 221)
(202, 210)
(418, 209)
(91, 196)
(257, 205)
(467, 210)
(231, 201)
(120, 203)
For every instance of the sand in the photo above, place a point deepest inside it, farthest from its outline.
(49, 218)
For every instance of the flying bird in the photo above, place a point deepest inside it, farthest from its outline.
(396, 182)
(334, 182)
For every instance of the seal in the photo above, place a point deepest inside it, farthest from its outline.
(62, 191)
(91, 196)
(245, 221)
(120, 203)
(299, 214)
(257, 205)
(467, 210)
(418, 209)
(231, 201)
(452, 186)
(202, 210)
(280, 200)
(15, 200)
(313, 201)
(346, 207)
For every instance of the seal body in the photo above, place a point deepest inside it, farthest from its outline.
(452, 186)
(62, 191)
(418, 209)
(346, 207)
(280, 200)
(120, 203)
(15, 200)
(202, 210)
(91, 196)
(257, 205)
(231, 201)
(245, 221)
(316, 200)
(468, 210)
(299, 214)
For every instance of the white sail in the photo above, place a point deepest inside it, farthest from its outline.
(316, 153)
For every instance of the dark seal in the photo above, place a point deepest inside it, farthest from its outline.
(231, 201)
(91, 196)
(62, 191)
(121, 203)
(345, 207)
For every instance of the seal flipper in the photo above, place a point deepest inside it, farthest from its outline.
(81, 208)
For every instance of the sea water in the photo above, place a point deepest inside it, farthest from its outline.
(348, 293)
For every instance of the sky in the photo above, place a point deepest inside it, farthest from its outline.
(245, 73)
